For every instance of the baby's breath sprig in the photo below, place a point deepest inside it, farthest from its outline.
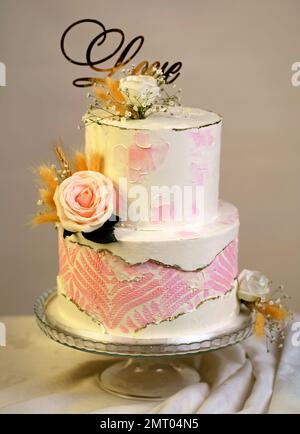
(272, 316)
(133, 97)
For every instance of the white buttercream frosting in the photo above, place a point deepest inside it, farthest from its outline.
(189, 250)
(164, 150)
(178, 118)
(211, 316)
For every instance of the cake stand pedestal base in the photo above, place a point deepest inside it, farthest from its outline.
(147, 379)
(149, 370)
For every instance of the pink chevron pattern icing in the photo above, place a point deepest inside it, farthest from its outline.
(125, 298)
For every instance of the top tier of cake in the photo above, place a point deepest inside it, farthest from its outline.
(165, 167)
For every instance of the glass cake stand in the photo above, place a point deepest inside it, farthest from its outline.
(149, 370)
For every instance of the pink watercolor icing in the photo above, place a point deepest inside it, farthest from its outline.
(186, 234)
(228, 218)
(202, 138)
(198, 173)
(167, 211)
(145, 158)
(125, 297)
(162, 212)
(142, 140)
(141, 157)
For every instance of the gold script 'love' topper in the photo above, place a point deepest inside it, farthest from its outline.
(125, 55)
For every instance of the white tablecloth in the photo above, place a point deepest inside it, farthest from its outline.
(41, 376)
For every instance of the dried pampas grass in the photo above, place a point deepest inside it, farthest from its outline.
(46, 197)
(96, 162)
(259, 325)
(80, 162)
(45, 218)
(109, 94)
(48, 176)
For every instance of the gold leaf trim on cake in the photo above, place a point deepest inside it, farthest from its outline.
(77, 238)
(212, 298)
(96, 320)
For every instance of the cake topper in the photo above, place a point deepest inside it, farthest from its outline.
(125, 55)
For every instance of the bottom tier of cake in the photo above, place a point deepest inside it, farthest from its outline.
(212, 317)
(149, 299)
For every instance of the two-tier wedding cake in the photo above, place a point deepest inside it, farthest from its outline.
(159, 278)
(146, 248)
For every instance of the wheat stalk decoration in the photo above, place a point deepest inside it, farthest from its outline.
(65, 166)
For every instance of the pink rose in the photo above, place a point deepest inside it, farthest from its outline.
(84, 201)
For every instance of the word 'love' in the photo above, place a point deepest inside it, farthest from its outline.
(124, 54)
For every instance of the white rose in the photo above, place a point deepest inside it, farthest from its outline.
(139, 90)
(252, 285)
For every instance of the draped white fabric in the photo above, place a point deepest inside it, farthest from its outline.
(41, 376)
